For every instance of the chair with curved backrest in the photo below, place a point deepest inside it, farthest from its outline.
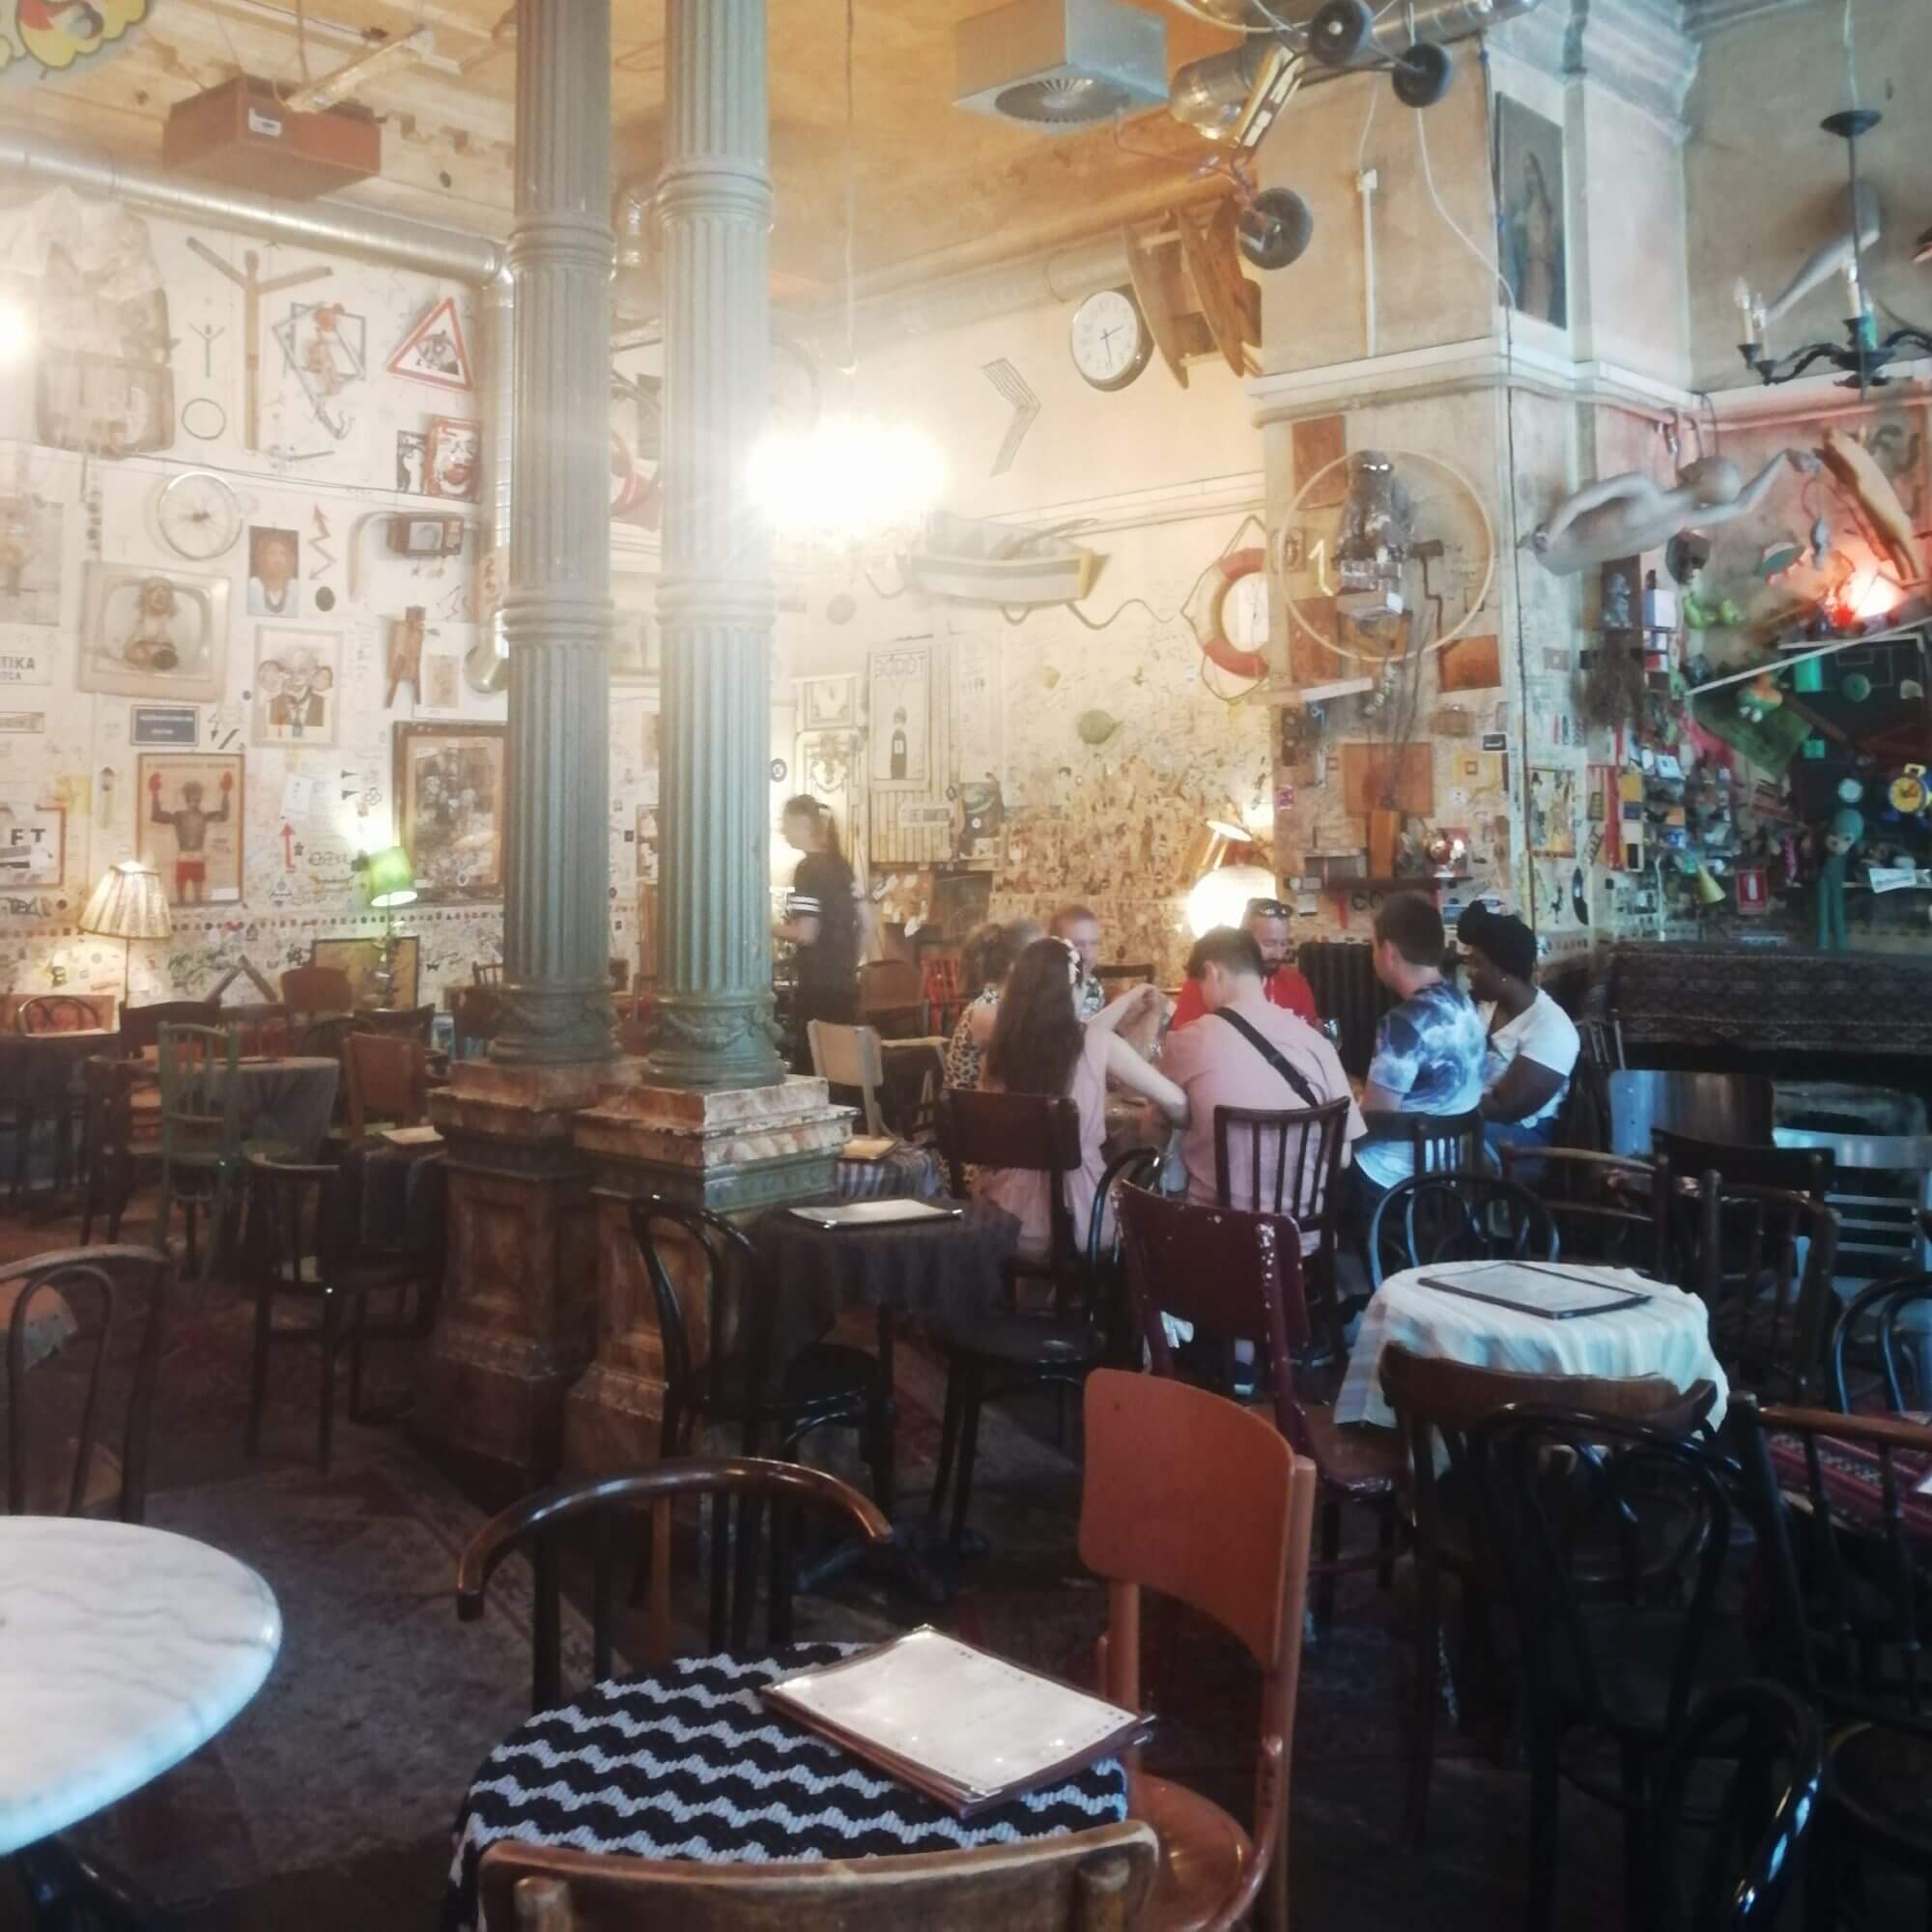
(141, 1026)
(316, 992)
(200, 1130)
(1137, 1167)
(1753, 1843)
(101, 1381)
(386, 1078)
(1289, 1163)
(610, 1512)
(48, 1090)
(1458, 1217)
(1437, 1403)
(1608, 1208)
(1437, 1143)
(1898, 1344)
(1612, 1537)
(849, 1056)
(1189, 1496)
(1093, 1881)
(121, 1135)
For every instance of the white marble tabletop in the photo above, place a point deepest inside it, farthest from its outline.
(122, 1649)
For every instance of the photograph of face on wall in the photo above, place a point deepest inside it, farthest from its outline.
(453, 457)
(450, 808)
(188, 824)
(275, 565)
(1530, 163)
(295, 673)
(153, 632)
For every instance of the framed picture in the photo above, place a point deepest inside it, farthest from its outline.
(274, 571)
(151, 632)
(1552, 811)
(188, 817)
(900, 697)
(33, 839)
(450, 808)
(1532, 235)
(363, 960)
(827, 703)
(176, 724)
(453, 457)
(296, 675)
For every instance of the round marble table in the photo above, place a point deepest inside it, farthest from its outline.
(122, 1649)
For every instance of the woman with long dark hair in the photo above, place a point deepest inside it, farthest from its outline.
(985, 963)
(822, 922)
(1041, 1045)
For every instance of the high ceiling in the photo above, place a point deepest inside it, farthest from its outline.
(936, 187)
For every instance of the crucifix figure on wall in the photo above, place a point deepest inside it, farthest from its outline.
(253, 286)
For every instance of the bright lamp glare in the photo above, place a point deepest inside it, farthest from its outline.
(16, 333)
(845, 482)
(1222, 897)
(1871, 594)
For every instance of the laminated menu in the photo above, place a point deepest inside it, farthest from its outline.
(1555, 1295)
(966, 1727)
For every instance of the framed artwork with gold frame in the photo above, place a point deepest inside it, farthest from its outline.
(449, 792)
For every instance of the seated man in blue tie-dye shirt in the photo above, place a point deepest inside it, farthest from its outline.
(1428, 1049)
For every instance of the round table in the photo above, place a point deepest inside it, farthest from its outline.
(688, 1763)
(124, 1649)
(1667, 1334)
(287, 1100)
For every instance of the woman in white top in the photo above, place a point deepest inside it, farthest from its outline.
(1532, 1042)
(1040, 1046)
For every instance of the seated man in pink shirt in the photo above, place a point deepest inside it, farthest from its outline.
(1245, 1052)
(1265, 922)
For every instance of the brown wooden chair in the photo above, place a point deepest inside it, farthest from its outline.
(487, 973)
(386, 1079)
(1093, 1881)
(1611, 1209)
(141, 1026)
(1437, 1403)
(892, 997)
(1189, 1496)
(62, 1412)
(314, 992)
(120, 1138)
(611, 1511)
(1238, 1278)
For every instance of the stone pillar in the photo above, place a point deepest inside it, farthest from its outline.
(716, 600)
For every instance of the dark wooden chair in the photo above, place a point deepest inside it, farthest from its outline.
(1437, 1143)
(302, 1251)
(1006, 1350)
(417, 1023)
(78, 1423)
(1846, 1583)
(141, 1026)
(1739, 1108)
(386, 1079)
(1437, 1403)
(1093, 1881)
(1236, 1277)
(1796, 1169)
(1612, 1537)
(1291, 1163)
(314, 992)
(488, 972)
(1874, 1323)
(1193, 1497)
(610, 1512)
(1137, 1167)
(1610, 1210)
(892, 997)
(201, 1131)
(120, 1139)
(39, 1091)
(1434, 1218)
(1753, 1840)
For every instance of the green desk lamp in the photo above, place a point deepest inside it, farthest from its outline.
(392, 882)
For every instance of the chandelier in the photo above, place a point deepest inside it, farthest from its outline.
(1863, 356)
(847, 484)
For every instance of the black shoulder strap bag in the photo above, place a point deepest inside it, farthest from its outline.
(1252, 1035)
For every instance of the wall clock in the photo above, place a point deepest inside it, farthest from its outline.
(1110, 339)
(198, 514)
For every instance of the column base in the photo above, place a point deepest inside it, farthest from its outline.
(736, 1151)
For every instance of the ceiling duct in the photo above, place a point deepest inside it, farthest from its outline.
(1060, 64)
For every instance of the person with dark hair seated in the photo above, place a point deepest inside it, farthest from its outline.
(1532, 1043)
(1267, 922)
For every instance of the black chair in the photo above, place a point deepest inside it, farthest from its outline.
(1608, 1208)
(1434, 1218)
(1106, 1267)
(1437, 1143)
(1874, 1321)
(1611, 1539)
(141, 1026)
(99, 1384)
(609, 1509)
(1754, 1843)
(1848, 1600)
(1291, 1163)
(1795, 1170)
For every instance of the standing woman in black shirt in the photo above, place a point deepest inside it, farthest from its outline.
(822, 920)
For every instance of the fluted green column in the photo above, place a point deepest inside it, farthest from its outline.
(715, 596)
(557, 608)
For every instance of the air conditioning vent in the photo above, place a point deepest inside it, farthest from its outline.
(1060, 64)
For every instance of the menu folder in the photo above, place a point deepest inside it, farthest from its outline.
(968, 1728)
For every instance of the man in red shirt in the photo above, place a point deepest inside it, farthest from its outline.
(1267, 922)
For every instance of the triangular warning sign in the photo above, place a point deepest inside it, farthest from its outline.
(434, 351)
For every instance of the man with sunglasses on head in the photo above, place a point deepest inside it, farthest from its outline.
(1267, 922)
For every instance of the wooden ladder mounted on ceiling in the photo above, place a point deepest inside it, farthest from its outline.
(1188, 275)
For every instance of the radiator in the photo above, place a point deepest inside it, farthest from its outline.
(1343, 976)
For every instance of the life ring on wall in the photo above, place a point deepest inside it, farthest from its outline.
(1232, 567)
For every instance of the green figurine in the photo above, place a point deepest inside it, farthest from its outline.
(1847, 828)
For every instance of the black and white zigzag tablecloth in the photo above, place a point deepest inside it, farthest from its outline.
(690, 1763)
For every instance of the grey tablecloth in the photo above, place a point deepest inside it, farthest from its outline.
(288, 1101)
(392, 1197)
(906, 1173)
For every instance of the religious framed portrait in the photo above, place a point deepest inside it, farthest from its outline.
(1532, 228)
(450, 808)
(188, 817)
(298, 678)
(363, 960)
(151, 632)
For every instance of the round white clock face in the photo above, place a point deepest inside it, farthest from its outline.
(199, 515)
(1110, 339)
(1244, 612)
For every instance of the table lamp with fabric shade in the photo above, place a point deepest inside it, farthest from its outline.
(392, 882)
(128, 904)
(1223, 863)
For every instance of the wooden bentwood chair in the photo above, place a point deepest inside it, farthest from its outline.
(1190, 1495)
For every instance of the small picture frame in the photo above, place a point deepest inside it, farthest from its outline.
(828, 703)
(151, 632)
(298, 677)
(453, 458)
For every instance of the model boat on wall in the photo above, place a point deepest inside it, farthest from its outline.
(977, 561)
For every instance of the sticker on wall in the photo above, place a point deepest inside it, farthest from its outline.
(176, 724)
(412, 453)
(432, 352)
(23, 724)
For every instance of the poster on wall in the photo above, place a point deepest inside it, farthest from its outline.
(33, 839)
(1552, 811)
(296, 678)
(450, 808)
(363, 960)
(190, 824)
(153, 632)
(900, 719)
(30, 561)
(1529, 218)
